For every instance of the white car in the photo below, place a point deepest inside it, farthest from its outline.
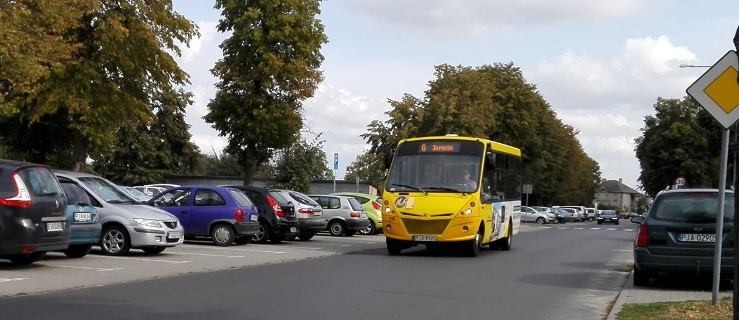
(529, 214)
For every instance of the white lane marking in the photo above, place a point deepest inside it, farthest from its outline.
(611, 229)
(594, 228)
(579, 228)
(564, 228)
(348, 239)
(145, 259)
(12, 279)
(285, 246)
(204, 254)
(547, 227)
(621, 250)
(246, 250)
(89, 268)
(628, 229)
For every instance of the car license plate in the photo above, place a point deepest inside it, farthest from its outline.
(424, 238)
(696, 237)
(253, 217)
(54, 226)
(82, 217)
(174, 235)
(317, 213)
(293, 229)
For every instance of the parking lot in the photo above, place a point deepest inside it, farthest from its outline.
(57, 272)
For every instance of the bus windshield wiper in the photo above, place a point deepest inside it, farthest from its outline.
(443, 189)
(406, 186)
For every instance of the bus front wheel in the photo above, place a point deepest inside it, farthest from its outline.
(393, 247)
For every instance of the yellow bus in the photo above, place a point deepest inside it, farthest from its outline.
(453, 190)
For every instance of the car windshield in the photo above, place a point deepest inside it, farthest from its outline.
(692, 207)
(436, 166)
(278, 196)
(135, 192)
(241, 198)
(301, 198)
(106, 190)
(355, 204)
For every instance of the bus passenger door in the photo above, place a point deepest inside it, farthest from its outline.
(490, 208)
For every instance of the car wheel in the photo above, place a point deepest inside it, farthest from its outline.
(305, 236)
(591, 219)
(223, 235)
(115, 241)
(393, 247)
(641, 278)
(26, 259)
(368, 230)
(153, 250)
(262, 235)
(539, 220)
(77, 251)
(337, 228)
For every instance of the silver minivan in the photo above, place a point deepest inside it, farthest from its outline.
(345, 215)
(309, 212)
(126, 223)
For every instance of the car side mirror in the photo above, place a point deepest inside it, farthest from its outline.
(637, 219)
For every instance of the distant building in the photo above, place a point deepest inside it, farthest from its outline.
(615, 194)
(316, 187)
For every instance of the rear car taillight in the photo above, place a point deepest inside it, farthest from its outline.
(306, 210)
(642, 238)
(22, 198)
(355, 214)
(376, 205)
(239, 215)
(275, 206)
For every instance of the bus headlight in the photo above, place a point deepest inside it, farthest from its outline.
(387, 210)
(467, 212)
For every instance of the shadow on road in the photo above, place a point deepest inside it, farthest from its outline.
(687, 282)
(606, 281)
(602, 266)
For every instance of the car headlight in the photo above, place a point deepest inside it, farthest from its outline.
(148, 222)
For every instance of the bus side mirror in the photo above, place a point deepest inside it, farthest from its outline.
(487, 198)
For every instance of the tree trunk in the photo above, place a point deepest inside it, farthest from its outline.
(250, 167)
(79, 153)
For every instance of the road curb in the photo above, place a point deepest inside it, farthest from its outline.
(622, 296)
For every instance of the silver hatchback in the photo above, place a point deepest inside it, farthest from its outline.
(345, 215)
(309, 212)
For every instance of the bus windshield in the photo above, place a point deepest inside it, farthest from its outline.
(436, 166)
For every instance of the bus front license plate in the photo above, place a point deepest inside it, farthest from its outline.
(424, 238)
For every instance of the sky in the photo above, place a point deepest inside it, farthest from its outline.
(601, 65)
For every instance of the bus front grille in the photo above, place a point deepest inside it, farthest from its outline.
(415, 226)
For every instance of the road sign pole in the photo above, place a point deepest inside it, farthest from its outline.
(720, 217)
(736, 201)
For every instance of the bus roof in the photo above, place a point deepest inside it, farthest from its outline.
(495, 146)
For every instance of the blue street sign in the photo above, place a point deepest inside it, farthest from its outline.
(336, 161)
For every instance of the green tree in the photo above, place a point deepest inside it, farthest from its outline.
(270, 65)
(680, 140)
(495, 101)
(70, 79)
(147, 154)
(301, 163)
(367, 167)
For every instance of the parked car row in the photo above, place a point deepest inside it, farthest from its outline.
(43, 210)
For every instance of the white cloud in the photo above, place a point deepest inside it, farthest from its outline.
(455, 17)
(342, 116)
(207, 31)
(581, 87)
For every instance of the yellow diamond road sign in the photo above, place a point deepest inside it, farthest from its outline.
(717, 90)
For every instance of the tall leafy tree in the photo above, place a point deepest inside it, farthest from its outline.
(70, 79)
(680, 140)
(148, 153)
(269, 67)
(296, 166)
(495, 101)
(367, 167)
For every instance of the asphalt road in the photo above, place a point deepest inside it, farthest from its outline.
(555, 272)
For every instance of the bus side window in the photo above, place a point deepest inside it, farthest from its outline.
(487, 179)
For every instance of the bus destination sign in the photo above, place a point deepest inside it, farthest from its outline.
(433, 147)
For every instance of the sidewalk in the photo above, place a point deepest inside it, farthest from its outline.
(631, 294)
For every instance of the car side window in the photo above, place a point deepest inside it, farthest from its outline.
(173, 198)
(75, 194)
(258, 198)
(334, 203)
(361, 200)
(207, 197)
